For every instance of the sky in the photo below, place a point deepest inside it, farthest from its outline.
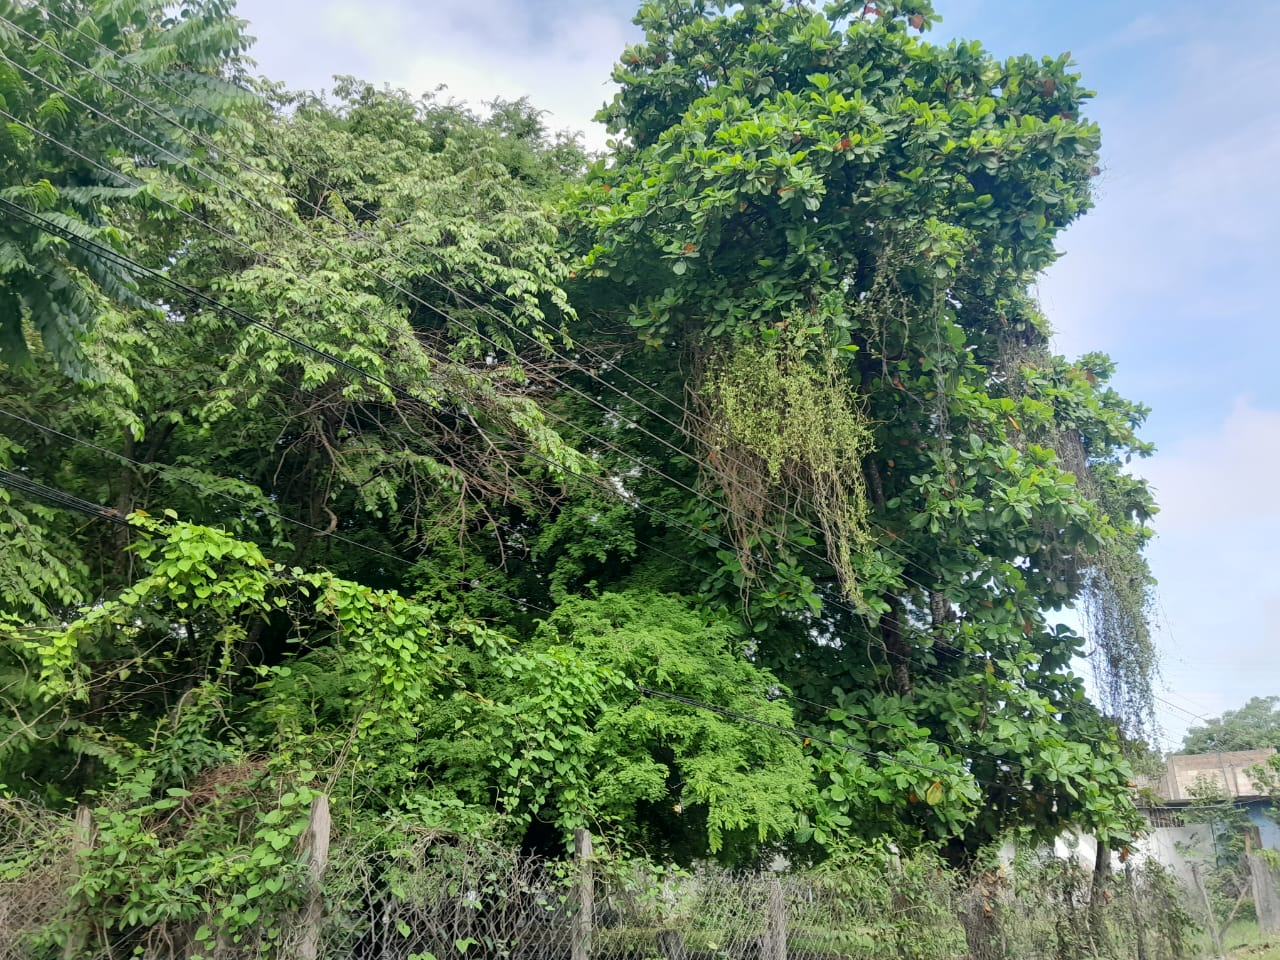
(1171, 273)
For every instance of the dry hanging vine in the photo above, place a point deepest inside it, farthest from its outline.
(782, 431)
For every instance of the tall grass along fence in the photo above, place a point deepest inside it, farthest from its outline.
(431, 897)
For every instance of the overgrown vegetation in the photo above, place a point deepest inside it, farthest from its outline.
(720, 493)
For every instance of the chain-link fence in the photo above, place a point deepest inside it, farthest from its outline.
(418, 896)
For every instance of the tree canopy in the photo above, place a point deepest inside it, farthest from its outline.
(1254, 726)
(720, 492)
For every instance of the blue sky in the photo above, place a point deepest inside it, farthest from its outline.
(1171, 273)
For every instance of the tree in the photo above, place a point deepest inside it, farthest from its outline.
(1254, 726)
(371, 445)
(92, 89)
(823, 230)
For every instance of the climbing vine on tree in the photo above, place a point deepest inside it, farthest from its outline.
(722, 492)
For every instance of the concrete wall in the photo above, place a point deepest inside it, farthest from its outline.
(1268, 829)
(1177, 848)
(1225, 771)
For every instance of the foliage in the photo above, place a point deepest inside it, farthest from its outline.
(1254, 726)
(122, 86)
(779, 425)
(719, 495)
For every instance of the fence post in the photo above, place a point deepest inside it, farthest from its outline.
(1266, 898)
(82, 837)
(1135, 912)
(776, 940)
(1214, 930)
(584, 895)
(315, 842)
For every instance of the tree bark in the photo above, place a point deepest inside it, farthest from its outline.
(895, 647)
(1098, 898)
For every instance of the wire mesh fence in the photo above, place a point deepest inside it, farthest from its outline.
(424, 896)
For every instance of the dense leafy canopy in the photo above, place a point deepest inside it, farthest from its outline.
(1254, 726)
(90, 92)
(719, 493)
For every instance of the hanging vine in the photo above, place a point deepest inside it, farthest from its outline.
(1115, 600)
(782, 433)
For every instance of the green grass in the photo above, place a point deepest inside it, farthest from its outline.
(1268, 950)
(1244, 941)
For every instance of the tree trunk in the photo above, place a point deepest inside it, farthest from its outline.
(980, 917)
(1098, 895)
(891, 636)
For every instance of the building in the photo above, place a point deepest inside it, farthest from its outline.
(1179, 840)
(1226, 772)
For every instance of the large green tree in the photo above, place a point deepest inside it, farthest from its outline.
(722, 495)
(823, 229)
(1254, 726)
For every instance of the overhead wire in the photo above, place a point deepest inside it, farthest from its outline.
(167, 471)
(106, 251)
(243, 317)
(339, 362)
(61, 498)
(641, 463)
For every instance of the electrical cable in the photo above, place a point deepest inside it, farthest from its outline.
(330, 358)
(245, 318)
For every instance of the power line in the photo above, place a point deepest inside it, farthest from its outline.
(137, 266)
(50, 226)
(60, 498)
(168, 472)
(456, 293)
(164, 470)
(833, 601)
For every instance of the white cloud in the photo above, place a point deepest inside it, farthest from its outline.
(1185, 217)
(560, 60)
(1223, 483)
(1216, 561)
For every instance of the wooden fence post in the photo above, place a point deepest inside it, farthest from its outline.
(82, 838)
(1266, 896)
(584, 896)
(776, 939)
(315, 842)
(1135, 912)
(1214, 930)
